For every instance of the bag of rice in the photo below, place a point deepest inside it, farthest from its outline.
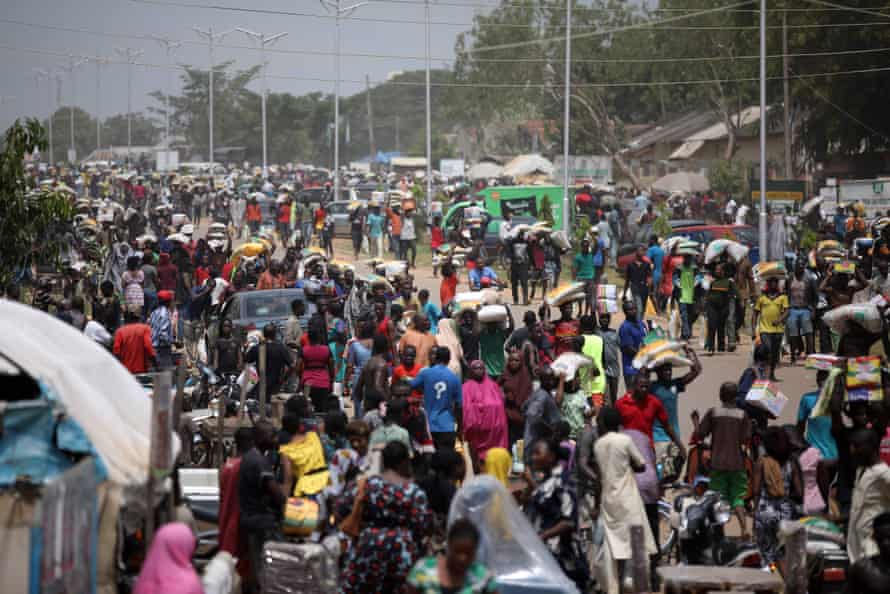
(569, 364)
(717, 247)
(493, 313)
(765, 270)
(564, 294)
(822, 362)
(468, 299)
(609, 306)
(491, 297)
(765, 394)
(607, 292)
(864, 372)
(841, 319)
(561, 240)
(865, 395)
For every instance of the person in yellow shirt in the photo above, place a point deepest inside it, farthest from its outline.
(306, 470)
(770, 312)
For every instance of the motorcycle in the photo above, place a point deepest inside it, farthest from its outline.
(697, 522)
(827, 560)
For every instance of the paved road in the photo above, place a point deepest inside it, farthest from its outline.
(702, 394)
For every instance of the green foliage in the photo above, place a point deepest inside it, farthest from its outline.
(662, 226)
(546, 211)
(808, 238)
(33, 223)
(728, 177)
(581, 228)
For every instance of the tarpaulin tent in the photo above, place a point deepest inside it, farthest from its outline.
(91, 386)
(525, 165)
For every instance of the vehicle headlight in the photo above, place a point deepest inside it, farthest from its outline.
(722, 512)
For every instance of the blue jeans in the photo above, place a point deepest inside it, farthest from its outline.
(151, 301)
(685, 316)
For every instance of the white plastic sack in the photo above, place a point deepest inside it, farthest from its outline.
(564, 294)
(865, 315)
(492, 313)
(561, 240)
(735, 250)
(569, 364)
(219, 574)
(491, 297)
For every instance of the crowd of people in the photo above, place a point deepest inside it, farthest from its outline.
(394, 400)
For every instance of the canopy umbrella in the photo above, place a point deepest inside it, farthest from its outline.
(88, 382)
(682, 181)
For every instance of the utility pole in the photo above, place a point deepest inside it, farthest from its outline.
(763, 238)
(211, 39)
(786, 91)
(41, 74)
(73, 64)
(339, 10)
(397, 135)
(169, 45)
(130, 55)
(429, 128)
(263, 41)
(567, 118)
(372, 146)
(99, 63)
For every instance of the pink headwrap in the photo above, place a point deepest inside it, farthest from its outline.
(168, 566)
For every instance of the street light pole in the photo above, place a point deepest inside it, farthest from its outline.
(429, 128)
(169, 45)
(41, 74)
(73, 64)
(566, 118)
(211, 39)
(99, 63)
(130, 55)
(336, 7)
(763, 255)
(263, 40)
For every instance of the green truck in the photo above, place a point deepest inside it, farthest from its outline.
(521, 201)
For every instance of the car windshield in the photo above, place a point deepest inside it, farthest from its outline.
(746, 235)
(266, 306)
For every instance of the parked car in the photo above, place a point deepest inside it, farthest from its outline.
(626, 251)
(252, 310)
(339, 210)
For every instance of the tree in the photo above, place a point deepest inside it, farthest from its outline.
(728, 177)
(33, 223)
(84, 133)
(144, 130)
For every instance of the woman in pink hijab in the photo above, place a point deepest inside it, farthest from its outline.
(484, 415)
(168, 567)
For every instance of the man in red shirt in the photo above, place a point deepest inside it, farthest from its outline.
(132, 344)
(640, 409)
(409, 368)
(448, 286)
(229, 511)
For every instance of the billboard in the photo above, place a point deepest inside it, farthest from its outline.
(167, 160)
(585, 169)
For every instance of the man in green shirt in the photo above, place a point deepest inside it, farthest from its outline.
(583, 268)
(684, 282)
(492, 338)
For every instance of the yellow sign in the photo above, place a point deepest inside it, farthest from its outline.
(779, 195)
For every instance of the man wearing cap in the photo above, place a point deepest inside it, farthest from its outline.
(162, 330)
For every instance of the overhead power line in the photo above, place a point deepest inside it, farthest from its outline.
(554, 60)
(585, 30)
(535, 85)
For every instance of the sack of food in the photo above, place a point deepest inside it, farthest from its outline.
(844, 267)
(842, 319)
(829, 245)
(491, 297)
(609, 306)
(865, 394)
(377, 280)
(569, 363)
(649, 350)
(492, 313)
(765, 270)
(561, 240)
(301, 517)
(765, 395)
(178, 219)
(822, 362)
(468, 299)
(863, 372)
(688, 248)
(717, 247)
(607, 292)
(564, 294)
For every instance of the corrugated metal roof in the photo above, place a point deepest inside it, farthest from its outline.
(674, 130)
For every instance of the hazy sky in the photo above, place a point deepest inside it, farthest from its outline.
(118, 20)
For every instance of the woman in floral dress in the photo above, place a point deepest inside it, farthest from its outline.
(395, 518)
(455, 571)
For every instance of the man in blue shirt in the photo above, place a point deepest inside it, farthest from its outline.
(442, 398)
(816, 430)
(667, 389)
(656, 256)
(375, 224)
(430, 310)
(630, 338)
(482, 276)
(840, 223)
